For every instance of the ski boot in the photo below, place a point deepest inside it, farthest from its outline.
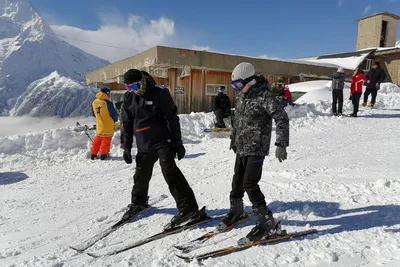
(133, 210)
(265, 227)
(93, 157)
(235, 214)
(105, 156)
(364, 104)
(185, 218)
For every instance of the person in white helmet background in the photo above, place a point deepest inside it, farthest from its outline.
(337, 92)
(255, 107)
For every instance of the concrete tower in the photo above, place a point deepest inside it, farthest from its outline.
(379, 30)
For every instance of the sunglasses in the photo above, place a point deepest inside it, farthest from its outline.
(133, 86)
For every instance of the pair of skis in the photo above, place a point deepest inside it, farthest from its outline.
(231, 249)
(185, 248)
(193, 244)
(81, 247)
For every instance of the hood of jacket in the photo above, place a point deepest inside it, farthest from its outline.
(102, 96)
(147, 83)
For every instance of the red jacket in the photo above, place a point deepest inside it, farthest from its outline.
(288, 95)
(357, 83)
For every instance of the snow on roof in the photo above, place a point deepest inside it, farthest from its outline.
(350, 63)
(298, 61)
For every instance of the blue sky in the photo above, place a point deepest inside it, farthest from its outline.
(283, 29)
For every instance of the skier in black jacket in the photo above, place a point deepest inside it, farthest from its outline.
(222, 107)
(150, 114)
(374, 79)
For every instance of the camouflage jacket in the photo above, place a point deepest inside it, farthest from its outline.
(252, 127)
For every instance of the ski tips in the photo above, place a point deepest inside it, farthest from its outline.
(76, 249)
(187, 259)
(93, 255)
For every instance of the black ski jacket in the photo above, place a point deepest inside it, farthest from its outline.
(152, 117)
(375, 76)
(223, 103)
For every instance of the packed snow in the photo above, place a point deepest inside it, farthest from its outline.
(30, 51)
(350, 63)
(341, 177)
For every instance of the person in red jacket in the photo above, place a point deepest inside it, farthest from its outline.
(286, 98)
(356, 86)
(288, 95)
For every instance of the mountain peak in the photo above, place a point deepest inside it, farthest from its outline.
(30, 51)
(20, 17)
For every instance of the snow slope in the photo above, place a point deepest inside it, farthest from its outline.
(29, 51)
(341, 177)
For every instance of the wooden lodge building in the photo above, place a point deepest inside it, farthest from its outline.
(193, 76)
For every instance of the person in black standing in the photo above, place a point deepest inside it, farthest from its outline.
(150, 114)
(374, 79)
(337, 92)
(222, 107)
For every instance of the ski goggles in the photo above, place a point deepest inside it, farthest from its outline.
(133, 86)
(239, 84)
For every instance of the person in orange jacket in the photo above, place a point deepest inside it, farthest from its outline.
(106, 116)
(356, 86)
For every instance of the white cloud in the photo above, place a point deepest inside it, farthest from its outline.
(135, 34)
(367, 9)
(340, 3)
(201, 48)
(398, 44)
(263, 56)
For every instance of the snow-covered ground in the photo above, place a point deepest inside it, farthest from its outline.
(341, 177)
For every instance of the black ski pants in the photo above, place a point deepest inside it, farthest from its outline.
(355, 99)
(370, 91)
(247, 175)
(219, 114)
(337, 103)
(177, 183)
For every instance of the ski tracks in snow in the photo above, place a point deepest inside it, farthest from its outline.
(341, 177)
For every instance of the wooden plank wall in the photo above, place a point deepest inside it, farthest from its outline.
(194, 98)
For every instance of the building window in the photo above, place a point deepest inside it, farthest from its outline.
(211, 89)
(367, 64)
(383, 33)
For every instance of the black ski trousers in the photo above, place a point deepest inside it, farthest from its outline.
(373, 93)
(355, 99)
(177, 183)
(219, 114)
(247, 175)
(337, 96)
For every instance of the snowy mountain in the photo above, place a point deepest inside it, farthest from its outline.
(29, 51)
(55, 95)
(341, 178)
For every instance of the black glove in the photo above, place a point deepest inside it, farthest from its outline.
(180, 152)
(351, 97)
(280, 153)
(127, 156)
